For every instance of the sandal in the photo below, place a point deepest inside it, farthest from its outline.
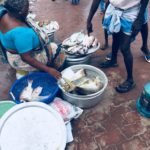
(126, 86)
(108, 56)
(146, 56)
(108, 64)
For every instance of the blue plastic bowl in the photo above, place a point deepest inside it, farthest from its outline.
(45, 80)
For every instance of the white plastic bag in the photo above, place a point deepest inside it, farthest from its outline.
(69, 132)
(66, 110)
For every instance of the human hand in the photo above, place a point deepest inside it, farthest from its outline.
(57, 75)
(89, 28)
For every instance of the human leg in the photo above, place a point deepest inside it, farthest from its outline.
(105, 45)
(115, 48)
(144, 34)
(144, 48)
(128, 60)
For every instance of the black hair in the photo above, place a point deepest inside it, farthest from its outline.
(3, 11)
(17, 8)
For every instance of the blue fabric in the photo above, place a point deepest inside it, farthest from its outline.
(20, 39)
(126, 26)
(117, 20)
(102, 5)
(146, 16)
(3, 57)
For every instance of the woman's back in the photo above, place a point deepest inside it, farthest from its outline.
(21, 39)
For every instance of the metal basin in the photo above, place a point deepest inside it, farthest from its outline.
(77, 60)
(87, 101)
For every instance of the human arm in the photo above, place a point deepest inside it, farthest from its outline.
(140, 18)
(93, 9)
(26, 57)
(25, 40)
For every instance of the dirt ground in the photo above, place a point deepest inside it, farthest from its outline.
(114, 123)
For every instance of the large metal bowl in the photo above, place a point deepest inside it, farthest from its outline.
(87, 101)
(70, 61)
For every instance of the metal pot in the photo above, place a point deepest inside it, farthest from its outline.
(87, 101)
(77, 60)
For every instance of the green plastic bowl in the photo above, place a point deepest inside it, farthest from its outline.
(5, 106)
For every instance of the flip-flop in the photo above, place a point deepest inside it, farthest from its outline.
(146, 56)
(125, 87)
(108, 64)
(108, 56)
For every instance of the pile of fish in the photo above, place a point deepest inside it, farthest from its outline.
(80, 44)
(80, 82)
(52, 26)
(46, 26)
(29, 94)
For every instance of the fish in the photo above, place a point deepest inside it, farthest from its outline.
(53, 48)
(88, 41)
(68, 43)
(75, 49)
(89, 86)
(26, 94)
(66, 85)
(36, 92)
(49, 28)
(85, 41)
(74, 39)
(69, 79)
(79, 44)
(79, 74)
(79, 82)
(39, 98)
(78, 37)
(95, 43)
(68, 74)
(71, 75)
(53, 25)
(83, 51)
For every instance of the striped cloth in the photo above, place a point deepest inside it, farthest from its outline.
(116, 20)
